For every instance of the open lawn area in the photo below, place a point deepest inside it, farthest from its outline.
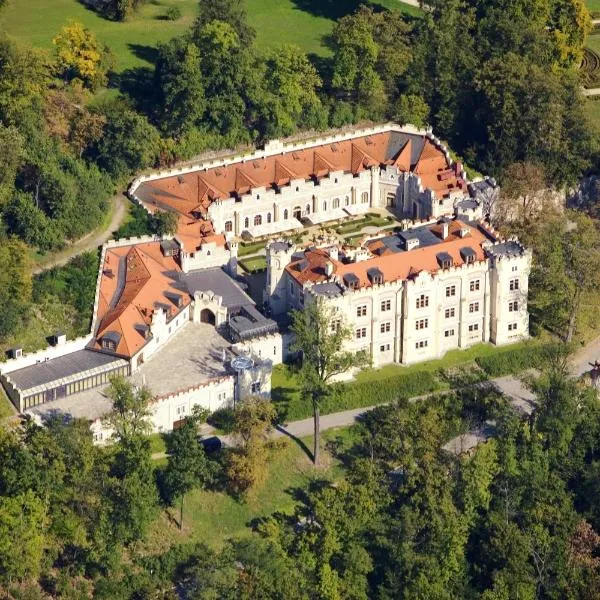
(133, 42)
(253, 264)
(375, 386)
(593, 42)
(213, 517)
(6, 407)
(593, 110)
(300, 22)
(593, 5)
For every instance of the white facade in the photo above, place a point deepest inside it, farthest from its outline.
(420, 318)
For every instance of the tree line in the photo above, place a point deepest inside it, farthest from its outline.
(516, 518)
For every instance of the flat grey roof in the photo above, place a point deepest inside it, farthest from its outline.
(49, 371)
(505, 249)
(217, 281)
(397, 242)
(248, 322)
(467, 204)
(328, 289)
(279, 246)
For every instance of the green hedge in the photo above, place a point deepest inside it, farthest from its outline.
(358, 394)
(513, 360)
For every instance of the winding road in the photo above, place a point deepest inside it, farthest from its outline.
(92, 240)
(521, 399)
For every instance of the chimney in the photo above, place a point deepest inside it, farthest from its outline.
(412, 243)
(329, 269)
(334, 253)
(444, 230)
(464, 231)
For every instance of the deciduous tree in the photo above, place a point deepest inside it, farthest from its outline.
(80, 56)
(187, 466)
(320, 336)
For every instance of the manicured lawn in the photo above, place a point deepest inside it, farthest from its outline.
(134, 42)
(6, 407)
(254, 264)
(247, 248)
(213, 517)
(157, 443)
(285, 390)
(593, 110)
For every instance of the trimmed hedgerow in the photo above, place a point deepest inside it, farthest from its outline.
(358, 394)
(513, 360)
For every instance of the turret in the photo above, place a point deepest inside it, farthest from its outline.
(279, 254)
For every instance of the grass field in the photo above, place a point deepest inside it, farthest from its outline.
(593, 42)
(286, 390)
(134, 42)
(593, 5)
(593, 110)
(213, 517)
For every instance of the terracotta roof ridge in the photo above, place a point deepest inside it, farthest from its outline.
(288, 174)
(359, 157)
(203, 192)
(402, 160)
(243, 181)
(321, 165)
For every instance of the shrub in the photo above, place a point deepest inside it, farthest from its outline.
(173, 13)
(223, 419)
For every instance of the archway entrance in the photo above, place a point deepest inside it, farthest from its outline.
(207, 316)
(297, 213)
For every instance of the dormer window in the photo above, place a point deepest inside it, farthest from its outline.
(352, 281)
(468, 255)
(110, 340)
(176, 299)
(444, 260)
(375, 276)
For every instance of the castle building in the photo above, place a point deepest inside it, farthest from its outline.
(413, 295)
(409, 296)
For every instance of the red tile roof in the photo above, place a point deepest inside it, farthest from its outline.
(394, 265)
(134, 284)
(192, 194)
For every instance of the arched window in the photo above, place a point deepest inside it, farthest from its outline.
(257, 220)
(268, 217)
(285, 214)
(228, 226)
(365, 197)
(347, 201)
(308, 209)
(336, 203)
(353, 199)
(246, 222)
(325, 205)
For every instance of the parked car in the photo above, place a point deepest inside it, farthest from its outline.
(211, 444)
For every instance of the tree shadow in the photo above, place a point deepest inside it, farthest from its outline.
(298, 441)
(138, 85)
(147, 53)
(329, 9)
